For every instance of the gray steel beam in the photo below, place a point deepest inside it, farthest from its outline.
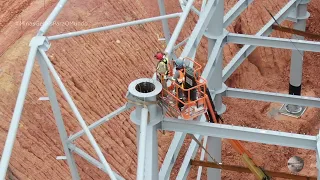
(241, 133)
(115, 26)
(47, 23)
(178, 27)
(78, 115)
(181, 43)
(165, 24)
(6, 154)
(209, 68)
(191, 153)
(205, 139)
(273, 42)
(273, 97)
(171, 155)
(203, 5)
(192, 150)
(193, 9)
(214, 147)
(246, 50)
(318, 157)
(100, 122)
(58, 117)
(91, 160)
(235, 11)
(198, 31)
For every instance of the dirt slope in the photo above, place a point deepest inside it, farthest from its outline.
(97, 69)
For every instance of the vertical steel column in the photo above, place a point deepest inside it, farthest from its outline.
(147, 118)
(165, 24)
(205, 139)
(318, 156)
(17, 113)
(215, 29)
(152, 171)
(142, 144)
(58, 117)
(300, 15)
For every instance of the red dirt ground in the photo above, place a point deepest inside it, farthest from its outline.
(97, 69)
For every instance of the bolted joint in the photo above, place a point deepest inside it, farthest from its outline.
(41, 42)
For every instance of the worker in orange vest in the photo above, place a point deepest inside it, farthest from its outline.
(179, 78)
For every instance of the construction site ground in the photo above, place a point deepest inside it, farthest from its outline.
(97, 69)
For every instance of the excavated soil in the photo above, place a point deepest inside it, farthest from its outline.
(97, 68)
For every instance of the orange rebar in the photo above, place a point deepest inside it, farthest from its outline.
(246, 170)
(297, 32)
(211, 109)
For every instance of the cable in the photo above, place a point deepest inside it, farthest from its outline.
(198, 142)
(281, 28)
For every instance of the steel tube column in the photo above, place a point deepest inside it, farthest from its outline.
(58, 117)
(301, 15)
(152, 171)
(318, 156)
(215, 30)
(142, 144)
(17, 113)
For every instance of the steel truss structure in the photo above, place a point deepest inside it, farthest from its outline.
(149, 117)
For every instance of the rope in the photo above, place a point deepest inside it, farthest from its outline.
(139, 102)
(200, 145)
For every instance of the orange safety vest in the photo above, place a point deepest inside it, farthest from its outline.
(181, 78)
